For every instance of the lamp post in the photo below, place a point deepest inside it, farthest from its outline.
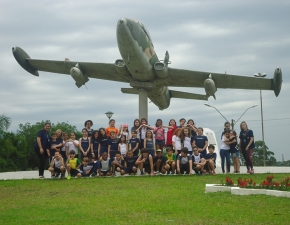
(261, 75)
(109, 114)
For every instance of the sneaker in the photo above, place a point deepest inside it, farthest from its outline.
(62, 175)
(249, 171)
(252, 171)
(142, 173)
(92, 175)
(157, 173)
(57, 175)
(68, 177)
(200, 173)
(52, 176)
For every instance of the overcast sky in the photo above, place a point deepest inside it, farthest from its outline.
(239, 37)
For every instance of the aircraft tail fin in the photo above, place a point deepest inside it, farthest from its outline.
(186, 95)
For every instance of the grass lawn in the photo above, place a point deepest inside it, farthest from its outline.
(136, 200)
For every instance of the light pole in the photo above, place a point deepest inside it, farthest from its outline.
(261, 75)
(109, 114)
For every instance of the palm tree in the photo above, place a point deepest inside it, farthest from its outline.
(5, 122)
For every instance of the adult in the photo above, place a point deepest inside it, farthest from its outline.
(246, 145)
(225, 151)
(88, 125)
(112, 127)
(40, 146)
(227, 126)
(200, 141)
(170, 132)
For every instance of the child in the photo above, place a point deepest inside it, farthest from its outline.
(72, 145)
(210, 159)
(136, 126)
(88, 125)
(145, 161)
(103, 142)
(55, 146)
(170, 132)
(176, 141)
(124, 131)
(200, 141)
(84, 145)
(134, 143)
(234, 151)
(113, 145)
(105, 165)
(193, 129)
(148, 143)
(118, 163)
(57, 166)
(72, 165)
(198, 161)
(170, 160)
(184, 162)
(112, 127)
(188, 139)
(142, 130)
(159, 162)
(130, 161)
(95, 144)
(123, 145)
(87, 168)
(64, 141)
(181, 123)
(159, 134)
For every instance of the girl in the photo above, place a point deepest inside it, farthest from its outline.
(176, 141)
(123, 145)
(188, 139)
(148, 143)
(112, 127)
(136, 126)
(59, 135)
(159, 134)
(113, 145)
(224, 152)
(193, 129)
(247, 145)
(64, 141)
(143, 129)
(72, 144)
(103, 142)
(134, 143)
(95, 144)
(234, 151)
(172, 123)
(85, 143)
(124, 131)
(88, 125)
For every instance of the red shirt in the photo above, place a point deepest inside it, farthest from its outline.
(170, 133)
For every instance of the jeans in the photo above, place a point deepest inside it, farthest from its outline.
(42, 158)
(225, 154)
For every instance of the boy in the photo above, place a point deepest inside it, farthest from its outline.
(210, 159)
(105, 165)
(113, 145)
(145, 161)
(130, 161)
(57, 166)
(87, 168)
(134, 143)
(181, 123)
(184, 162)
(72, 165)
(170, 160)
(55, 146)
(118, 163)
(200, 141)
(159, 162)
(198, 161)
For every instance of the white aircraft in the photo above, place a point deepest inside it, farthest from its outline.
(147, 75)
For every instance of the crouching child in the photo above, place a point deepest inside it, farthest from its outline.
(105, 165)
(57, 166)
(198, 161)
(184, 162)
(87, 169)
(72, 165)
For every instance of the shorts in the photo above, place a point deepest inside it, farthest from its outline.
(159, 142)
(63, 155)
(102, 150)
(184, 168)
(74, 172)
(136, 152)
(147, 169)
(96, 154)
(151, 152)
(112, 153)
(129, 169)
(57, 170)
(89, 155)
(236, 154)
(158, 169)
(206, 167)
(105, 172)
(178, 152)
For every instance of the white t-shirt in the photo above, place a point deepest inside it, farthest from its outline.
(63, 146)
(123, 149)
(71, 146)
(177, 142)
(187, 143)
(224, 146)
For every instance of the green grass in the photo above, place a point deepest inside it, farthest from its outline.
(136, 200)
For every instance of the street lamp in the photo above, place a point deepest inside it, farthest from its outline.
(261, 75)
(109, 114)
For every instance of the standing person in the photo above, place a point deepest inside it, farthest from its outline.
(181, 123)
(124, 131)
(63, 148)
(88, 125)
(187, 139)
(246, 145)
(159, 134)
(137, 124)
(95, 144)
(200, 141)
(59, 135)
(103, 142)
(112, 127)
(142, 130)
(54, 146)
(227, 126)
(235, 153)
(123, 145)
(85, 144)
(177, 141)
(72, 145)
(225, 151)
(113, 145)
(170, 132)
(134, 143)
(40, 146)
(148, 143)
(193, 129)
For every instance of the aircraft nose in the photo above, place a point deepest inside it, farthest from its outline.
(122, 22)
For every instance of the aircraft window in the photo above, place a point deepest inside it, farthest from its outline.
(145, 30)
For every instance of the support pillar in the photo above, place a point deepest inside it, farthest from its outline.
(143, 104)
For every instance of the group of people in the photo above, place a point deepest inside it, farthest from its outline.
(165, 149)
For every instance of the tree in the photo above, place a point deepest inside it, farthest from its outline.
(258, 155)
(5, 122)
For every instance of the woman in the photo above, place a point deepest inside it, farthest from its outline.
(225, 151)
(246, 145)
(40, 146)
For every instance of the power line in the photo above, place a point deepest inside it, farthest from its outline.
(271, 119)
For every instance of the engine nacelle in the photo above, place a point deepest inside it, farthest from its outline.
(209, 86)
(78, 76)
(121, 67)
(161, 70)
(277, 81)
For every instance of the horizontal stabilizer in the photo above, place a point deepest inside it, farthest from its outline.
(129, 91)
(186, 95)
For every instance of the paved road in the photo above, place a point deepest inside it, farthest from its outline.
(34, 174)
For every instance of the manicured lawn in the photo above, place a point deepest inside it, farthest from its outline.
(136, 200)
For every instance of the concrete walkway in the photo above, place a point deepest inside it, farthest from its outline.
(34, 174)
